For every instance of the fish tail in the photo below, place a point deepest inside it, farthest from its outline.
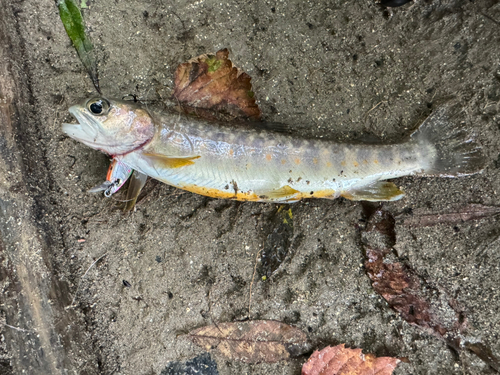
(450, 150)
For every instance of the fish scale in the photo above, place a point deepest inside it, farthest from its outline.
(258, 166)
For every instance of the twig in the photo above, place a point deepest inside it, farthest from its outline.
(490, 18)
(375, 107)
(121, 200)
(97, 260)
(15, 328)
(85, 274)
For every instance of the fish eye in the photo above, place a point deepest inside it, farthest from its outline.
(98, 106)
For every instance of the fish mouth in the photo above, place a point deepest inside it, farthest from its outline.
(85, 130)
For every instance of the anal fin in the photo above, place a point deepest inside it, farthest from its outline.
(376, 192)
(282, 193)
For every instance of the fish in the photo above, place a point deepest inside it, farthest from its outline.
(248, 162)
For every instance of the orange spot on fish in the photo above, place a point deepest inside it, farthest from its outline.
(343, 163)
(231, 152)
(283, 161)
(269, 157)
(315, 160)
(365, 161)
(297, 161)
(356, 164)
(328, 164)
(375, 161)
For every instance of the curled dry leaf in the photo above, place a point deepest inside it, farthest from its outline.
(338, 360)
(209, 85)
(252, 342)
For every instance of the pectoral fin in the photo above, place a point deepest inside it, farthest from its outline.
(137, 182)
(164, 161)
(379, 191)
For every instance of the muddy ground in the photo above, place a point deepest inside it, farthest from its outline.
(331, 68)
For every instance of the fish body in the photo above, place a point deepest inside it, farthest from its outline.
(250, 164)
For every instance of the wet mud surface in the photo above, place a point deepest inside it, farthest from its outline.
(87, 289)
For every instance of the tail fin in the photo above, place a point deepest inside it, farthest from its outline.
(452, 150)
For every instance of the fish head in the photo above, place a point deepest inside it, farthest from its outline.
(114, 127)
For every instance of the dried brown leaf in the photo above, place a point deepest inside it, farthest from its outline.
(484, 352)
(423, 218)
(338, 360)
(210, 84)
(418, 301)
(253, 341)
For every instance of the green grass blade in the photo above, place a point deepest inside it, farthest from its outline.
(72, 20)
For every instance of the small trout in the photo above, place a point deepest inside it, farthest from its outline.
(222, 160)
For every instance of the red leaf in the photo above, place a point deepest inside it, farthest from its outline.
(338, 360)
